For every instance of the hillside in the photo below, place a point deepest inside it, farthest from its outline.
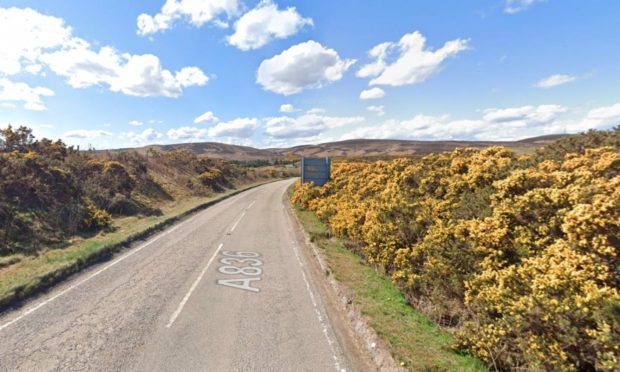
(215, 150)
(51, 193)
(349, 148)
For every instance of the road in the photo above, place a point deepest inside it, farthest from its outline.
(228, 289)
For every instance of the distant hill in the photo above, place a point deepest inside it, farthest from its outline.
(349, 148)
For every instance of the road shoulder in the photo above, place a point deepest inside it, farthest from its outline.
(358, 341)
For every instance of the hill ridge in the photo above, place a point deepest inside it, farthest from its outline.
(344, 148)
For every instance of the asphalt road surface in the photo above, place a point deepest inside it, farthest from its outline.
(228, 289)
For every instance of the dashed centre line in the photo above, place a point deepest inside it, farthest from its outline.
(193, 287)
(241, 217)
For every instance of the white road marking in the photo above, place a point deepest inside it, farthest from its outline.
(324, 325)
(131, 253)
(236, 223)
(240, 218)
(193, 287)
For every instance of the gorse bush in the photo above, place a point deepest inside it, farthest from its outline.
(50, 191)
(519, 254)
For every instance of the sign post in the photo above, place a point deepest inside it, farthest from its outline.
(317, 170)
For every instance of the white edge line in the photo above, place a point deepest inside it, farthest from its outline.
(325, 327)
(131, 253)
(192, 288)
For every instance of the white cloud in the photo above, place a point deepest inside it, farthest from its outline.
(372, 93)
(305, 126)
(515, 6)
(22, 92)
(187, 134)
(148, 135)
(412, 61)
(302, 66)
(554, 81)
(86, 133)
(600, 118)
(287, 107)
(395, 129)
(378, 110)
(239, 128)
(379, 53)
(207, 117)
(495, 125)
(264, 23)
(136, 123)
(26, 34)
(188, 76)
(135, 75)
(316, 110)
(530, 115)
(38, 41)
(196, 12)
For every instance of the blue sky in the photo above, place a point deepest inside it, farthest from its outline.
(279, 73)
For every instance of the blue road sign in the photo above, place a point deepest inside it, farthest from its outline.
(317, 170)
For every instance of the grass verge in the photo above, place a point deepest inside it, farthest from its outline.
(414, 340)
(22, 276)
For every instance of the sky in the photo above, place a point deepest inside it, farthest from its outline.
(276, 73)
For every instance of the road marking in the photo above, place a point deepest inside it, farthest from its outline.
(129, 254)
(136, 250)
(240, 218)
(192, 288)
(324, 325)
(236, 223)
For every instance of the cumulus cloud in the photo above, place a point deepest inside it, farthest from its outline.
(135, 75)
(86, 133)
(287, 108)
(136, 123)
(495, 125)
(372, 93)
(238, 128)
(148, 135)
(527, 115)
(516, 6)
(302, 66)
(379, 53)
(554, 81)
(409, 61)
(600, 118)
(265, 23)
(187, 133)
(196, 12)
(40, 41)
(27, 34)
(305, 126)
(31, 97)
(378, 110)
(316, 110)
(505, 124)
(207, 117)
